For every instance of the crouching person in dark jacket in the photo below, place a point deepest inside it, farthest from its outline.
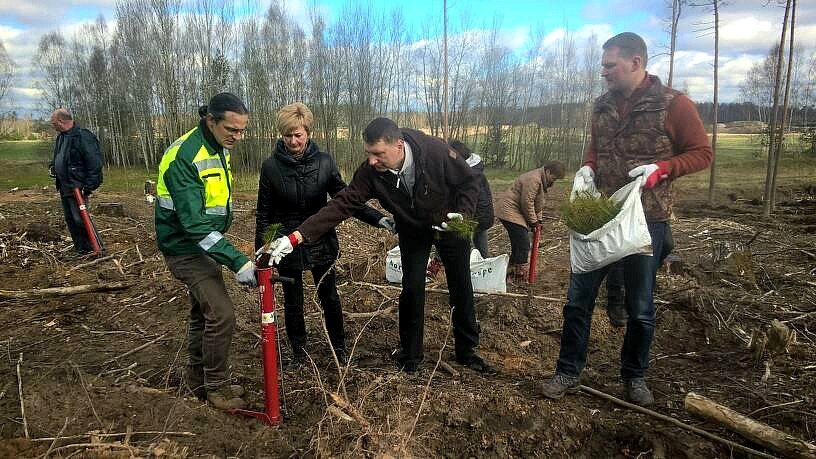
(77, 163)
(424, 184)
(293, 185)
(484, 206)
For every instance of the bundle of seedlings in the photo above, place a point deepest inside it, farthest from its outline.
(463, 228)
(269, 235)
(586, 212)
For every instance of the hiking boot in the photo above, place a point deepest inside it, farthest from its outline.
(617, 314)
(477, 364)
(227, 397)
(517, 274)
(559, 385)
(637, 392)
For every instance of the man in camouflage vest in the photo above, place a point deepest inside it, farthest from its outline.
(639, 128)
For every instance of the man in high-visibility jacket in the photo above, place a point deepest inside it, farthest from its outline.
(193, 210)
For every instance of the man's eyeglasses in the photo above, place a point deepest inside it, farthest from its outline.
(235, 132)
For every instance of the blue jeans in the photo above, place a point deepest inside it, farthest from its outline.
(639, 273)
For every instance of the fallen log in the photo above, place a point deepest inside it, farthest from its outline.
(62, 291)
(674, 421)
(757, 432)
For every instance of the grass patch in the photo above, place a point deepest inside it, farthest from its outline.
(741, 163)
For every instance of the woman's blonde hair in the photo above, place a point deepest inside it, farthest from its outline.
(294, 116)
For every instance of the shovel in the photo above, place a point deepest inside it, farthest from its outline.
(531, 275)
(86, 219)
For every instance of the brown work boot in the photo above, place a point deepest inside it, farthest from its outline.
(227, 397)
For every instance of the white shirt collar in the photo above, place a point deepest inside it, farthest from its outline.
(407, 163)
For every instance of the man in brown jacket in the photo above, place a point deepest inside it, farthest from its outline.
(423, 183)
(521, 210)
(639, 128)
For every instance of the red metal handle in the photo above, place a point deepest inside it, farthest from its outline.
(269, 330)
(531, 277)
(86, 219)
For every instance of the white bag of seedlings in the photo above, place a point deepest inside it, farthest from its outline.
(626, 234)
(487, 274)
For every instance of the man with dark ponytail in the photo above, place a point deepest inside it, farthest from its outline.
(193, 211)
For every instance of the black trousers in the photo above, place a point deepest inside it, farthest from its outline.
(519, 242)
(455, 255)
(329, 301)
(76, 227)
(480, 243)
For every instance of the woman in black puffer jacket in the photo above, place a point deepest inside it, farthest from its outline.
(294, 185)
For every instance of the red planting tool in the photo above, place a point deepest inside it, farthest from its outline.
(86, 219)
(531, 277)
(269, 334)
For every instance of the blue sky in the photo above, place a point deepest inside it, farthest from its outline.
(748, 30)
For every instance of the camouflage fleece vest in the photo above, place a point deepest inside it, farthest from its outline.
(639, 138)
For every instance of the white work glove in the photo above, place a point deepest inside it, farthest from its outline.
(584, 182)
(279, 248)
(652, 174)
(246, 275)
(388, 223)
(451, 216)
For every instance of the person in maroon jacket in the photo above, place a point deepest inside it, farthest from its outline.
(640, 128)
(423, 183)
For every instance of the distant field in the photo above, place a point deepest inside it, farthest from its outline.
(741, 166)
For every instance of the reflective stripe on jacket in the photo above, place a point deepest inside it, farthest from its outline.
(194, 202)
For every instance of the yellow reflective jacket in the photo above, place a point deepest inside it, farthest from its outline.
(193, 206)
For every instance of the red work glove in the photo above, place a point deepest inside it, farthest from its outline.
(652, 173)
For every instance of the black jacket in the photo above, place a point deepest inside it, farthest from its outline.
(484, 206)
(77, 161)
(291, 190)
(443, 183)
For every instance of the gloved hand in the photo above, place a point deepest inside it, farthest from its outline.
(52, 172)
(281, 247)
(86, 191)
(388, 223)
(652, 173)
(584, 181)
(451, 216)
(246, 275)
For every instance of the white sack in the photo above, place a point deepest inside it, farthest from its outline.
(487, 274)
(626, 234)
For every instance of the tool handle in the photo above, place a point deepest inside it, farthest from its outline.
(86, 219)
(531, 276)
(283, 280)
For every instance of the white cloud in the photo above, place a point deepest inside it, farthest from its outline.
(515, 38)
(44, 12)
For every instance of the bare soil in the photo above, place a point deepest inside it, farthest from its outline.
(81, 378)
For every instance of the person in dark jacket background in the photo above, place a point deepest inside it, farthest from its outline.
(424, 184)
(77, 163)
(484, 206)
(293, 186)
